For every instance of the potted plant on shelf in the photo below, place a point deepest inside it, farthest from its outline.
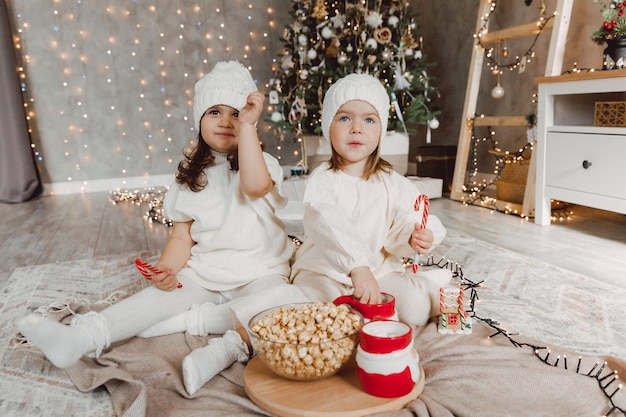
(612, 33)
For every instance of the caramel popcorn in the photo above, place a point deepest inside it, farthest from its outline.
(306, 341)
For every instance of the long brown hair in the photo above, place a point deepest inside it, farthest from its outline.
(191, 169)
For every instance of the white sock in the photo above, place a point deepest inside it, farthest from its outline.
(191, 321)
(202, 364)
(64, 345)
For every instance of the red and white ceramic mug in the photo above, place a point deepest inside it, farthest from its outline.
(387, 363)
(385, 310)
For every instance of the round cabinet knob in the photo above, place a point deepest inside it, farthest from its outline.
(586, 164)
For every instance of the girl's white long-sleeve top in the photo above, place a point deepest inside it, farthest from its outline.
(351, 222)
(238, 238)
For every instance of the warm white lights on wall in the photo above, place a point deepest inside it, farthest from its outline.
(108, 87)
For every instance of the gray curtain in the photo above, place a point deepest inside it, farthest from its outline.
(19, 178)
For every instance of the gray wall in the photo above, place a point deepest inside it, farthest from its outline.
(110, 84)
(448, 27)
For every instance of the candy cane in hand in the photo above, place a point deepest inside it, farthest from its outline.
(423, 198)
(144, 267)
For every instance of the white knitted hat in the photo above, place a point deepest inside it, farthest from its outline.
(362, 87)
(229, 83)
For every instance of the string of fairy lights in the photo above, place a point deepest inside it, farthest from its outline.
(109, 88)
(608, 382)
(498, 58)
(475, 187)
(151, 197)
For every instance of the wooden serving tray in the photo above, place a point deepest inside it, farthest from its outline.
(340, 395)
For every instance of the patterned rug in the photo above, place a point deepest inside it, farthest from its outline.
(29, 384)
(544, 302)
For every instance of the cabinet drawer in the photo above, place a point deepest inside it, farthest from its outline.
(566, 153)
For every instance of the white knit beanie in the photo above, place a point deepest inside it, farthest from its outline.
(362, 87)
(229, 83)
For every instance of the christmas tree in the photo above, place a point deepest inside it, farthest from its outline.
(329, 39)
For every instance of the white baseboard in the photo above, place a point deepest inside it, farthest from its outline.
(107, 184)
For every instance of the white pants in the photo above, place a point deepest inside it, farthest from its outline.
(151, 305)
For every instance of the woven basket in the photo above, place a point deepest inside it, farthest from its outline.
(512, 183)
(610, 113)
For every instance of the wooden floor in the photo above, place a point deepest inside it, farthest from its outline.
(78, 226)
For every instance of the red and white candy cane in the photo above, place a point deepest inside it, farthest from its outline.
(144, 267)
(422, 199)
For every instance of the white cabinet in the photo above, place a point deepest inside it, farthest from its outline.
(578, 162)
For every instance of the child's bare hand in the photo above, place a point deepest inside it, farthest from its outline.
(421, 239)
(252, 110)
(165, 281)
(366, 289)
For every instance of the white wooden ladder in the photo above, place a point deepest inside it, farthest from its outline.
(558, 27)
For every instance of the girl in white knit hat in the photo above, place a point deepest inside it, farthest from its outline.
(359, 213)
(226, 244)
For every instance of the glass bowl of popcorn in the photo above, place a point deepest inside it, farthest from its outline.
(305, 341)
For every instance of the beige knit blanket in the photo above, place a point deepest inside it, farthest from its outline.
(466, 375)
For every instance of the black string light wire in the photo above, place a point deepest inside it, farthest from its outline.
(608, 381)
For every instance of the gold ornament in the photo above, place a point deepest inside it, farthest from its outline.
(383, 35)
(408, 41)
(319, 11)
